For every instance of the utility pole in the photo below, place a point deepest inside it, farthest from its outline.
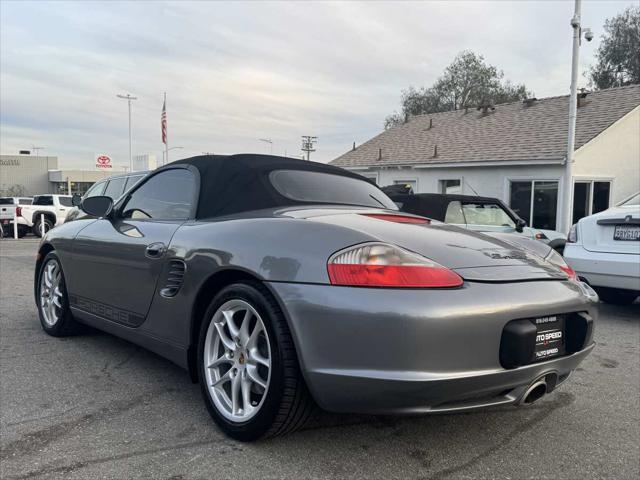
(567, 189)
(37, 150)
(308, 143)
(129, 98)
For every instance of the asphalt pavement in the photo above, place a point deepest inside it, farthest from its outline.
(95, 406)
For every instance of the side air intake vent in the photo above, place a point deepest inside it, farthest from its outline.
(174, 280)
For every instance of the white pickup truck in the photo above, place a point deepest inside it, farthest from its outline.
(50, 209)
(8, 207)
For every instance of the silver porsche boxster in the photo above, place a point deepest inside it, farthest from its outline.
(281, 284)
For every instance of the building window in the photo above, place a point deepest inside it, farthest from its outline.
(412, 183)
(450, 186)
(590, 197)
(372, 176)
(536, 202)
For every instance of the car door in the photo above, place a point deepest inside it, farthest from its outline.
(116, 261)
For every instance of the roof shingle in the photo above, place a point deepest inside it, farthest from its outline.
(513, 131)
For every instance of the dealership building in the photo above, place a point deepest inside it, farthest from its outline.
(28, 174)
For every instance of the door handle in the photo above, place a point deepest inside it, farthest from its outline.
(155, 250)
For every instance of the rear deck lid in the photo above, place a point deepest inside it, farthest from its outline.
(473, 255)
(616, 230)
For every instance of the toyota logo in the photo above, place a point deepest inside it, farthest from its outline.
(103, 160)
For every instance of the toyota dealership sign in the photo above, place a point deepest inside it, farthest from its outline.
(103, 162)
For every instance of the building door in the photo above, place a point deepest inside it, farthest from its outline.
(536, 202)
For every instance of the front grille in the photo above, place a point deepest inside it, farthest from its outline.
(174, 278)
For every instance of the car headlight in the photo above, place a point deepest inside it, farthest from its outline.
(384, 265)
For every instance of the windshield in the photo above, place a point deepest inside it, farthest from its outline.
(317, 187)
(486, 214)
(635, 200)
(490, 214)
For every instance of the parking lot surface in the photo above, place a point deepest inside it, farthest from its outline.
(94, 406)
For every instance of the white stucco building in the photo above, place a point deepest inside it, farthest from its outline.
(516, 152)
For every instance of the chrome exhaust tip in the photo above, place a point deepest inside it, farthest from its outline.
(535, 392)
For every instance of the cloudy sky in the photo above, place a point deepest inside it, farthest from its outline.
(237, 72)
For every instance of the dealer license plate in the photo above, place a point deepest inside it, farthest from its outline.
(626, 232)
(549, 337)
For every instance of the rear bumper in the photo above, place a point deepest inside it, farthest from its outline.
(368, 350)
(599, 269)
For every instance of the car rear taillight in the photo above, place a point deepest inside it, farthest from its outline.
(383, 265)
(18, 211)
(392, 217)
(556, 259)
(572, 236)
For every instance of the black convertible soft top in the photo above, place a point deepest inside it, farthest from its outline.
(434, 205)
(236, 183)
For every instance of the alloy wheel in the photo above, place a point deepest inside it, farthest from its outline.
(237, 360)
(51, 296)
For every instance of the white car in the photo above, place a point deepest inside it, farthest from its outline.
(46, 212)
(604, 250)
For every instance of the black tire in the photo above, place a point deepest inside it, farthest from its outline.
(65, 325)
(22, 231)
(287, 404)
(37, 228)
(616, 296)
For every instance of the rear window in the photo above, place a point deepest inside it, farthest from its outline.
(6, 201)
(46, 200)
(25, 201)
(317, 187)
(65, 201)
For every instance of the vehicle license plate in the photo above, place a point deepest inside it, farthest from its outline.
(549, 338)
(626, 232)
(5, 222)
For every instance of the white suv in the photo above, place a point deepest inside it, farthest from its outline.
(604, 250)
(45, 212)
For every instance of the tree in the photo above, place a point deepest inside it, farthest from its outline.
(467, 82)
(618, 56)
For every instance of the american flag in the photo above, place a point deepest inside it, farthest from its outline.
(163, 121)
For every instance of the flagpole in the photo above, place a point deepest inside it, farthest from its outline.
(166, 143)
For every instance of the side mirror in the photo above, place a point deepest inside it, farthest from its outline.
(76, 200)
(520, 224)
(97, 206)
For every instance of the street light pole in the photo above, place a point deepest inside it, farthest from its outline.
(168, 150)
(567, 190)
(128, 98)
(566, 217)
